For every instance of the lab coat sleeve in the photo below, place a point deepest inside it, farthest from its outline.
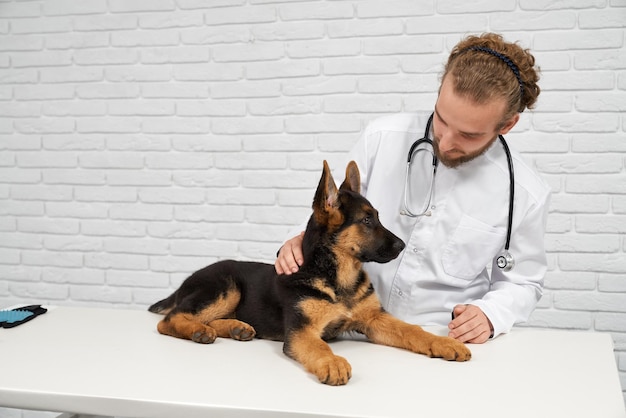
(363, 154)
(514, 294)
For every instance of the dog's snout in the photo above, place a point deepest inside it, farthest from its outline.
(398, 245)
(391, 246)
(395, 245)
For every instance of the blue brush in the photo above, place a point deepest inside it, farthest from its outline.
(14, 317)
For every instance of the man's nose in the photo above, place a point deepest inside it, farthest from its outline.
(446, 140)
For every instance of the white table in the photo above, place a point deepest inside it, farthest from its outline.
(113, 362)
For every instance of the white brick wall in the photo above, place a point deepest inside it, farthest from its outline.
(141, 140)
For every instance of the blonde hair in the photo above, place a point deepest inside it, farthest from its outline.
(485, 67)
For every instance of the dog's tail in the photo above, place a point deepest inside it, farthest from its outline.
(164, 306)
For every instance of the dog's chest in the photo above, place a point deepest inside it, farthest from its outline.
(346, 293)
(338, 309)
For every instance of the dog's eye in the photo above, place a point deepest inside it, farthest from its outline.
(367, 220)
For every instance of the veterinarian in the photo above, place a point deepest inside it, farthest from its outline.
(475, 257)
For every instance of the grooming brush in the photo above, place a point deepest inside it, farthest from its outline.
(14, 317)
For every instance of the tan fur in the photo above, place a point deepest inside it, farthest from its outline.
(233, 328)
(183, 325)
(321, 313)
(222, 308)
(317, 358)
(321, 285)
(314, 353)
(334, 219)
(199, 328)
(348, 266)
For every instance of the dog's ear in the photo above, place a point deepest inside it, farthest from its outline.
(353, 178)
(326, 194)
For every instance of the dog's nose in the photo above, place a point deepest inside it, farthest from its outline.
(398, 245)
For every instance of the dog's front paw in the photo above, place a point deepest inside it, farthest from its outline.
(450, 349)
(333, 370)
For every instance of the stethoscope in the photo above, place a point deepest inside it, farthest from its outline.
(504, 260)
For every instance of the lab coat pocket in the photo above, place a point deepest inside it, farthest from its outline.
(472, 247)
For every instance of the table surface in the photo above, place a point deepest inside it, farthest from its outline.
(113, 362)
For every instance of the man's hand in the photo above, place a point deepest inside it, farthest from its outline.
(470, 325)
(290, 256)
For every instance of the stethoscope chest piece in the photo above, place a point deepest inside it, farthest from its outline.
(505, 261)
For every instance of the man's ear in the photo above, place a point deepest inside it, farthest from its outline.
(509, 124)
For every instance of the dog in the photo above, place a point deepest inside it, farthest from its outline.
(329, 295)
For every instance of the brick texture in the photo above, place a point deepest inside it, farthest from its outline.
(141, 140)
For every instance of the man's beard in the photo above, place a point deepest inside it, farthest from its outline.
(454, 158)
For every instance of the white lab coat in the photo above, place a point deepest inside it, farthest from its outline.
(450, 255)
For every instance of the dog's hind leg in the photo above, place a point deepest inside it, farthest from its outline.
(233, 328)
(196, 325)
(186, 326)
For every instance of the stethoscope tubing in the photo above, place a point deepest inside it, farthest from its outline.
(505, 261)
(509, 161)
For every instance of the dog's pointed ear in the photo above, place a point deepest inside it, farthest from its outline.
(353, 178)
(326, 194)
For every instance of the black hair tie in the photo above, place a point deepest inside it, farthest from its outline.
(506, 60)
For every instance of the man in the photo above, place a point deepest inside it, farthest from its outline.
(454, 219)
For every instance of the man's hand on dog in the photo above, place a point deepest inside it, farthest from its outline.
(470, 325)
(290, 256)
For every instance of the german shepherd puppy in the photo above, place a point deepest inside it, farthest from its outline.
(329, 295)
